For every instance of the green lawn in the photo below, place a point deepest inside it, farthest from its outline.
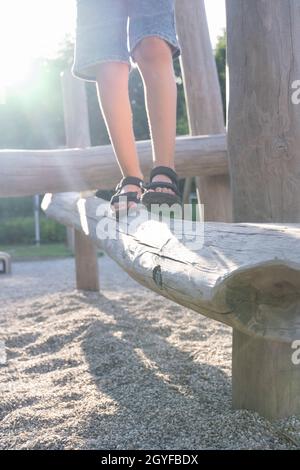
(27, 252)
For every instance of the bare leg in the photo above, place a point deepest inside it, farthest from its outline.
(113, 95)
(154, 60)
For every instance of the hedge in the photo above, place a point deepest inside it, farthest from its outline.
(20, 230)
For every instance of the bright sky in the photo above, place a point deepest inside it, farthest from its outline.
(32, 28)
(216, 17)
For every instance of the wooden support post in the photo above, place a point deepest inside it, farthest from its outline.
(263, 141)
(263, 122)
(187, 190)
(78, 135)
(5, 260)
(204, 102)
(264, 377)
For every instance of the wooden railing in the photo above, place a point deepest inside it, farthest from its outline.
(28, 172)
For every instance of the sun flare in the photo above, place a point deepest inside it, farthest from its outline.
(36, 28)
(30, 29)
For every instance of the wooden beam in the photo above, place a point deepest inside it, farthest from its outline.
(204, 102)
(245, 275)
(78, 135)
(26, 172)
(255, 288)
(263, 52)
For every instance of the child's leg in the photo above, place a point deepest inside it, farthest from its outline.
(101, 55)
(112, 87)
(113, 94)
(154, 60)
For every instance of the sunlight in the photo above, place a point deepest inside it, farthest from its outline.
(35, 28)
(216, 17)
(30, 29)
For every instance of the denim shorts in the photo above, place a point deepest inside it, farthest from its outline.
(109, 30)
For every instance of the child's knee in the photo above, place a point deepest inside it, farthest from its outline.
(151, 49)
(111, 71)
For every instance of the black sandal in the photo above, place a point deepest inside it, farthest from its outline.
(154, 197)
(132, 196)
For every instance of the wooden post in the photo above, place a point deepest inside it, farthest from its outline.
(5, 260)
(187, 190)
(263, 141)
(78, 135)
(264, 377)
(203, 98)
(264, 124)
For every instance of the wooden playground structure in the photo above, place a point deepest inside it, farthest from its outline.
(247, 273)
(5, 263)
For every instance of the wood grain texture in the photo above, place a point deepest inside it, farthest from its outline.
(203, 100)
(27, 172)
(263, 48)
(245, 275)
(264, 378)
(264, 124)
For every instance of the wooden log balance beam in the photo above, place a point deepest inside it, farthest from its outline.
(28, 172)
(245, 275)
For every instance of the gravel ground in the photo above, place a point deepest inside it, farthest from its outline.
(125, 369)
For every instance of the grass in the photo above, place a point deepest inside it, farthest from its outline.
(31, 252)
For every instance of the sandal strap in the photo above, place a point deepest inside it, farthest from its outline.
(130, 180)
(131, 197)
(163, 185)
(166, 171)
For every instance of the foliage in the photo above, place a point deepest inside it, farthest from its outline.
(15, 207)
(20, 230)
(32, 116)
(46, 250)
(220, 54)
(17, 223)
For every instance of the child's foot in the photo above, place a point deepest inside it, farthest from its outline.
(122, 206)
(130, 189)
(162, 179)
(162, 189)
